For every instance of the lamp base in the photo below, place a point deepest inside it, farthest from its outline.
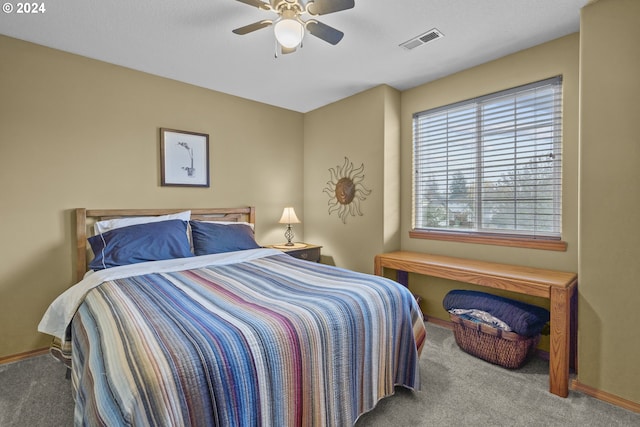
(290, 246)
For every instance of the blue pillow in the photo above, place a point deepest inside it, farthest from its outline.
(212, 238)
(140, 243)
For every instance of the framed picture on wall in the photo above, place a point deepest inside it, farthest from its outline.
(184, 158)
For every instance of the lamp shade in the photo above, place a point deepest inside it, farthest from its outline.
(289, 32)
(289, 216)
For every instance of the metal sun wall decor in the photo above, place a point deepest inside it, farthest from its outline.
(345, 190)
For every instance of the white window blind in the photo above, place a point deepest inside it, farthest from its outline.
(492, 164)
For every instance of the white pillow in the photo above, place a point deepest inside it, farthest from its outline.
(110, 224)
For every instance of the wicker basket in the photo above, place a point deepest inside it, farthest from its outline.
(506, 349)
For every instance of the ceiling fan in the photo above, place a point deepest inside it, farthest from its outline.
(289, 27)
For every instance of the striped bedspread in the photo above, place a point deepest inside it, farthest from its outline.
(273, 341)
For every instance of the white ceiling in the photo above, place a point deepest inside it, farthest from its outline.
(191, 41)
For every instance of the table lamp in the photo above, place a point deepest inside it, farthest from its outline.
(289, 217)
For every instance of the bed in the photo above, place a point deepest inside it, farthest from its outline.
(183, 319)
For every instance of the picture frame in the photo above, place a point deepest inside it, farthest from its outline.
(184, 158)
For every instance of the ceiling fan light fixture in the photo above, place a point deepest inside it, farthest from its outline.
(289, 32)
(289, 27)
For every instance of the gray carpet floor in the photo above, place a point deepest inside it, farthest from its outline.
(457, 389)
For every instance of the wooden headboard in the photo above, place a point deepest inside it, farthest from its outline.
(85, 218)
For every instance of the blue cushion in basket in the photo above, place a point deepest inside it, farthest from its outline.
(140, 243)
(524, 319)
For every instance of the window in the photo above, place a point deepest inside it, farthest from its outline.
(491, 166)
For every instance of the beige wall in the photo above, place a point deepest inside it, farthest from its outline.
(609, 346)
(363, 128)
(75, 132)
(558, 57)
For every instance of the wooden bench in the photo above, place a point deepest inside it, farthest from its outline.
(557, 286)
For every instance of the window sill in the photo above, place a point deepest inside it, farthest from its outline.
(517, 242)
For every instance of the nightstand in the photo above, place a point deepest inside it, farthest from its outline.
(307, 252)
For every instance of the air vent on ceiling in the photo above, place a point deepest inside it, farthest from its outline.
(425, 38)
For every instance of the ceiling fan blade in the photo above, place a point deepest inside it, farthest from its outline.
(257, 3)
(252, 27)
(322, 7)
(324, 32)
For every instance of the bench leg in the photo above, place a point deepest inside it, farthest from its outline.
(560, 340)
